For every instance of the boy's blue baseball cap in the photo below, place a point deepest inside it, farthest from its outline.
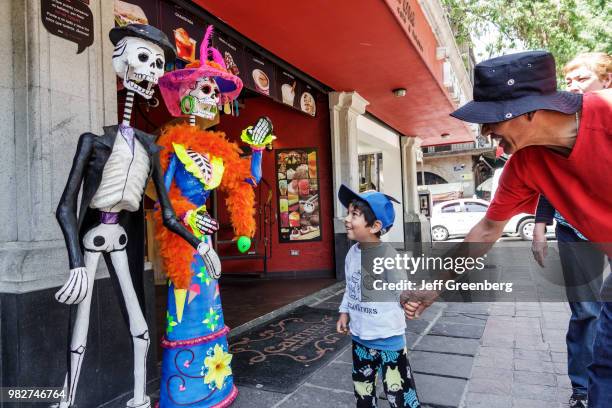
(379, 203)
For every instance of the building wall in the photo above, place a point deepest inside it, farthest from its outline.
(444, 167)
(50, 96)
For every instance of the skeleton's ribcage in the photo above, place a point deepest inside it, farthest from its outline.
(202, 162)
(105, 238)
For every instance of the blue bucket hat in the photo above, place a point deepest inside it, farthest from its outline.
(512, 85)
(379, 203)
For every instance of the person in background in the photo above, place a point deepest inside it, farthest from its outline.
(582, 263)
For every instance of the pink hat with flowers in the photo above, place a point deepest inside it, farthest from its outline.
(172, 82)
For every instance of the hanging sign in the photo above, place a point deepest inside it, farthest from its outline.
(69, 19)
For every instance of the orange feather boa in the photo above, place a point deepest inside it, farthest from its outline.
(177, 254)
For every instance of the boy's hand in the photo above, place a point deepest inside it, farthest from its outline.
(415, 302)
(342, 324)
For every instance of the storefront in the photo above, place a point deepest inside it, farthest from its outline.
(289, 241)
(380, 163)
(323, 73)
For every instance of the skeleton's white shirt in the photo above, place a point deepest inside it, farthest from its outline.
(124, 178)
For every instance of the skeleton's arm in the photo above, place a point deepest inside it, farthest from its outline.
(167, 212)
(66, 213)
(258, 137)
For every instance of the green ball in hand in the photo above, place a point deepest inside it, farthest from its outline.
(243, 243)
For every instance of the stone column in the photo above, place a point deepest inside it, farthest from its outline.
(416, 225)
(50, 96)
(345, 108)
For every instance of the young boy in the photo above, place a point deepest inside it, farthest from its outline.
(377, 328)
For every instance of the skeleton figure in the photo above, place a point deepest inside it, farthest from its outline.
(195, 163)
(114, 169)
(201, 98)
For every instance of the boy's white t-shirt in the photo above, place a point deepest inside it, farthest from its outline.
(368, 320)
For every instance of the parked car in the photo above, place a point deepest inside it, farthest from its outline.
(455, 218)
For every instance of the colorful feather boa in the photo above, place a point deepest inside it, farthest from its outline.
(176, 253)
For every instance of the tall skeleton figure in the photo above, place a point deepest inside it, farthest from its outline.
(196, 366)
(114, 169)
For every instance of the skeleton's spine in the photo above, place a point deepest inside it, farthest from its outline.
(192, 120)
(127, 110)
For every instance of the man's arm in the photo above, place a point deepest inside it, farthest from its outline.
(544, 216)
(477, 243)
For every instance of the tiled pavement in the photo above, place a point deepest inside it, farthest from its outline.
(522, 361)
(463, 355)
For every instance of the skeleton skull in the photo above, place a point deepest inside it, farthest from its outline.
(140, 63)
(201, 98)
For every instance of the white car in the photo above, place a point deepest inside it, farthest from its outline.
(457, 217)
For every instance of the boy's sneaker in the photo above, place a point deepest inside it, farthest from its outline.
(578, 401)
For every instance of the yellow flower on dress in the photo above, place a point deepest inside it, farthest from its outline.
(218, 367)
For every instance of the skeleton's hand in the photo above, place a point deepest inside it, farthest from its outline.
(200, 221)
(211, 260)
(75, 289)
(206, 224)
(260, 134)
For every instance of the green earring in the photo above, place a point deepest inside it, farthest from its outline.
(188, 103)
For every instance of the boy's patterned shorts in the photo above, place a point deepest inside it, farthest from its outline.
(397, 379)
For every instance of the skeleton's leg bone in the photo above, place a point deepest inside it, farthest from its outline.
(79, 334)
(138, 328)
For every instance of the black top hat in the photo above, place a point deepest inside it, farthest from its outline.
(512, 85)
(146, 32)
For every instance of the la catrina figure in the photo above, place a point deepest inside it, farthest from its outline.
(113, 170)
(196, 369)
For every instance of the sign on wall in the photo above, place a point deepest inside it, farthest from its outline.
(298, 191)
(69, 19)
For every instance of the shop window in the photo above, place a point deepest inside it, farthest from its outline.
(430, 178)
(370, 172)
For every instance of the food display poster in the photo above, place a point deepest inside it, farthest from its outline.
(136, 12)
(259, 75)
(294, 92)
(299, 211)
(186, 30)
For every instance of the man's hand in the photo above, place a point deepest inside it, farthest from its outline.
(342, 324)
(75, 289)
(414, 302)
(211, 260)
(539, 246)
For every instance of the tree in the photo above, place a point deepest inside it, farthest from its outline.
(563, 27)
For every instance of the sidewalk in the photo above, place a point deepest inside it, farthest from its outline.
(464, 355)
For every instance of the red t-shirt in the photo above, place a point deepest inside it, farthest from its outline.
(578, 186)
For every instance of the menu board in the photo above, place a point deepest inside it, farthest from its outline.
(298, 192)
(259, 75)
(186, 31)
(232, 52)
(136, 12)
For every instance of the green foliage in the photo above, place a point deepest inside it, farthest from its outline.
(563, 27)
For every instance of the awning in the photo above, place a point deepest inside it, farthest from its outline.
(363, 46)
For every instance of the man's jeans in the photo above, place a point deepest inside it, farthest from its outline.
(582, 270)
(600, 370)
